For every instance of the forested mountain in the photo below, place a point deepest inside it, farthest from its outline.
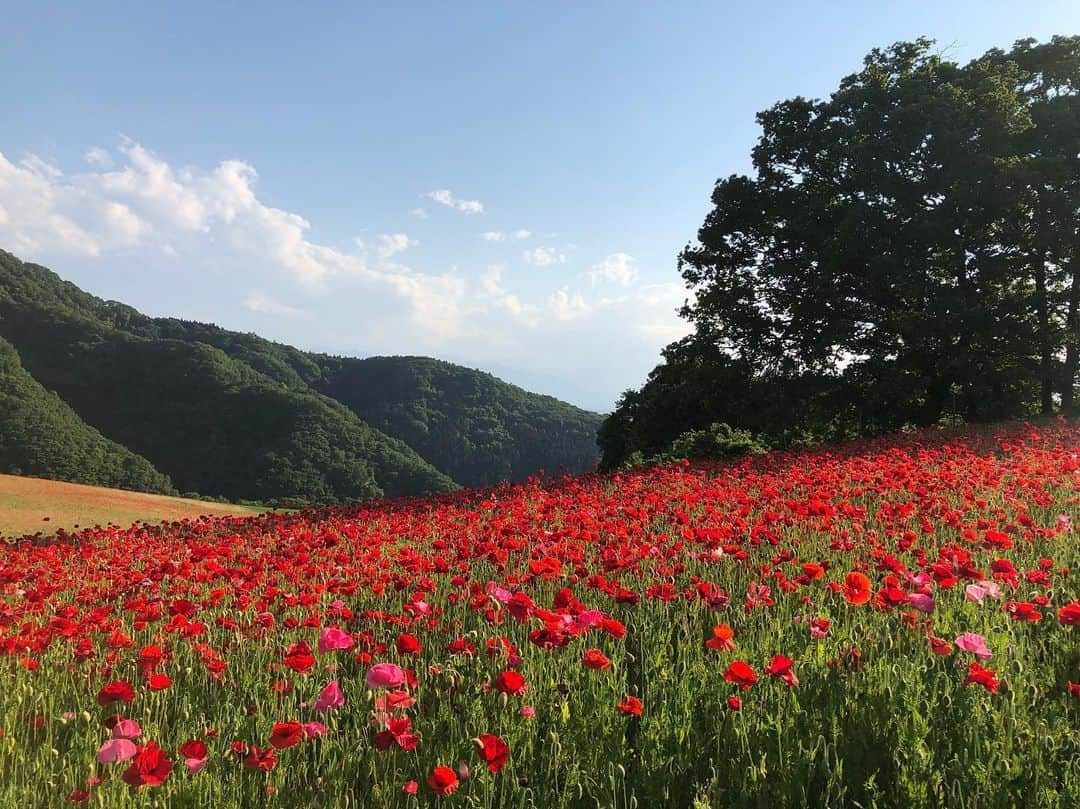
(40, 435)
(235, 415)
(469, 424)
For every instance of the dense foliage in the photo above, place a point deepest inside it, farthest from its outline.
(905, 250)
(890, 623)
(239, 416)
(40, 435)
(470, 425)
(214, 424)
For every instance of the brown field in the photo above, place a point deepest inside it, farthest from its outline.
(33, 505)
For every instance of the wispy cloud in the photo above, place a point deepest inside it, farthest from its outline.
(543, 257)
(617, 268)
(444, 197)
(260, 302)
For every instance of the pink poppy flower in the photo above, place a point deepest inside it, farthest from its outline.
(500, 594)
(976, 644)
(116, 750)
(921, 601)
(329, 698)
(385, 675)
(313, 730)
(126, 729)
(333, 639)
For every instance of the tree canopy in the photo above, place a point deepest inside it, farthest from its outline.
(904, 250)
(41, 436)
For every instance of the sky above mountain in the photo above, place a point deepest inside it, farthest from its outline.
(503, 185)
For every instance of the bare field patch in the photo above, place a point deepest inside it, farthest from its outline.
(34, 505)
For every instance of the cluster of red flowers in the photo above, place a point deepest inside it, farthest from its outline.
(391, 591)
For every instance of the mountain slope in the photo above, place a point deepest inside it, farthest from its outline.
(258, 407)
(213, 423)
(41, 436)
(469, 424)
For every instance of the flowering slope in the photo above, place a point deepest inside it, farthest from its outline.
(888, 623)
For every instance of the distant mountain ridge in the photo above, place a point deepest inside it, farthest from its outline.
(229, 414)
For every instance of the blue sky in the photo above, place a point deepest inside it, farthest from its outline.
(504, 185)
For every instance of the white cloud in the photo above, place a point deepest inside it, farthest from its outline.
(444, 197)
(543, 257)
(96, 156)
(390, 244)
(199, 241)
(492, 236)
(419, 213)
(260, 302)
(150, 206)
(618, 268)
(40, 167)
(564, 305)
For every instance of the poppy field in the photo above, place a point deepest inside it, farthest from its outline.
(888, 623)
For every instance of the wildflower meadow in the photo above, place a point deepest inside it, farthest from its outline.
(888, 623)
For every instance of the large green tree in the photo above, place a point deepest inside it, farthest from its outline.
(902, 251)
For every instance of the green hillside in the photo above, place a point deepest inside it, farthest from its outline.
(469, 424)
(235, 415)
(213, 423)
(41, 436)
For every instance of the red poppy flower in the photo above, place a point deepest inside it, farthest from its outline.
(408, 644)
(443, 780)
(740, 674)
(781, 667)
(150, 657)
(984, 677)
(158, 682)
(260, 759)
(286, 734)
(594, 659)
(493, 750)
(1069, 615)
(193, 749)
(630, 705)
(117, 691)
(721, 640)
(940, 646)
(299, 658)
(734, 703)
(150, 767)
(511, 682)
(856, 588)
(1022, 611)
(398, 731)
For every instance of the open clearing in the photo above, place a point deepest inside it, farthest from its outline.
(33, 505)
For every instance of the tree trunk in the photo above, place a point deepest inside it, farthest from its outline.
(1042, 308)
(1072, 344)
